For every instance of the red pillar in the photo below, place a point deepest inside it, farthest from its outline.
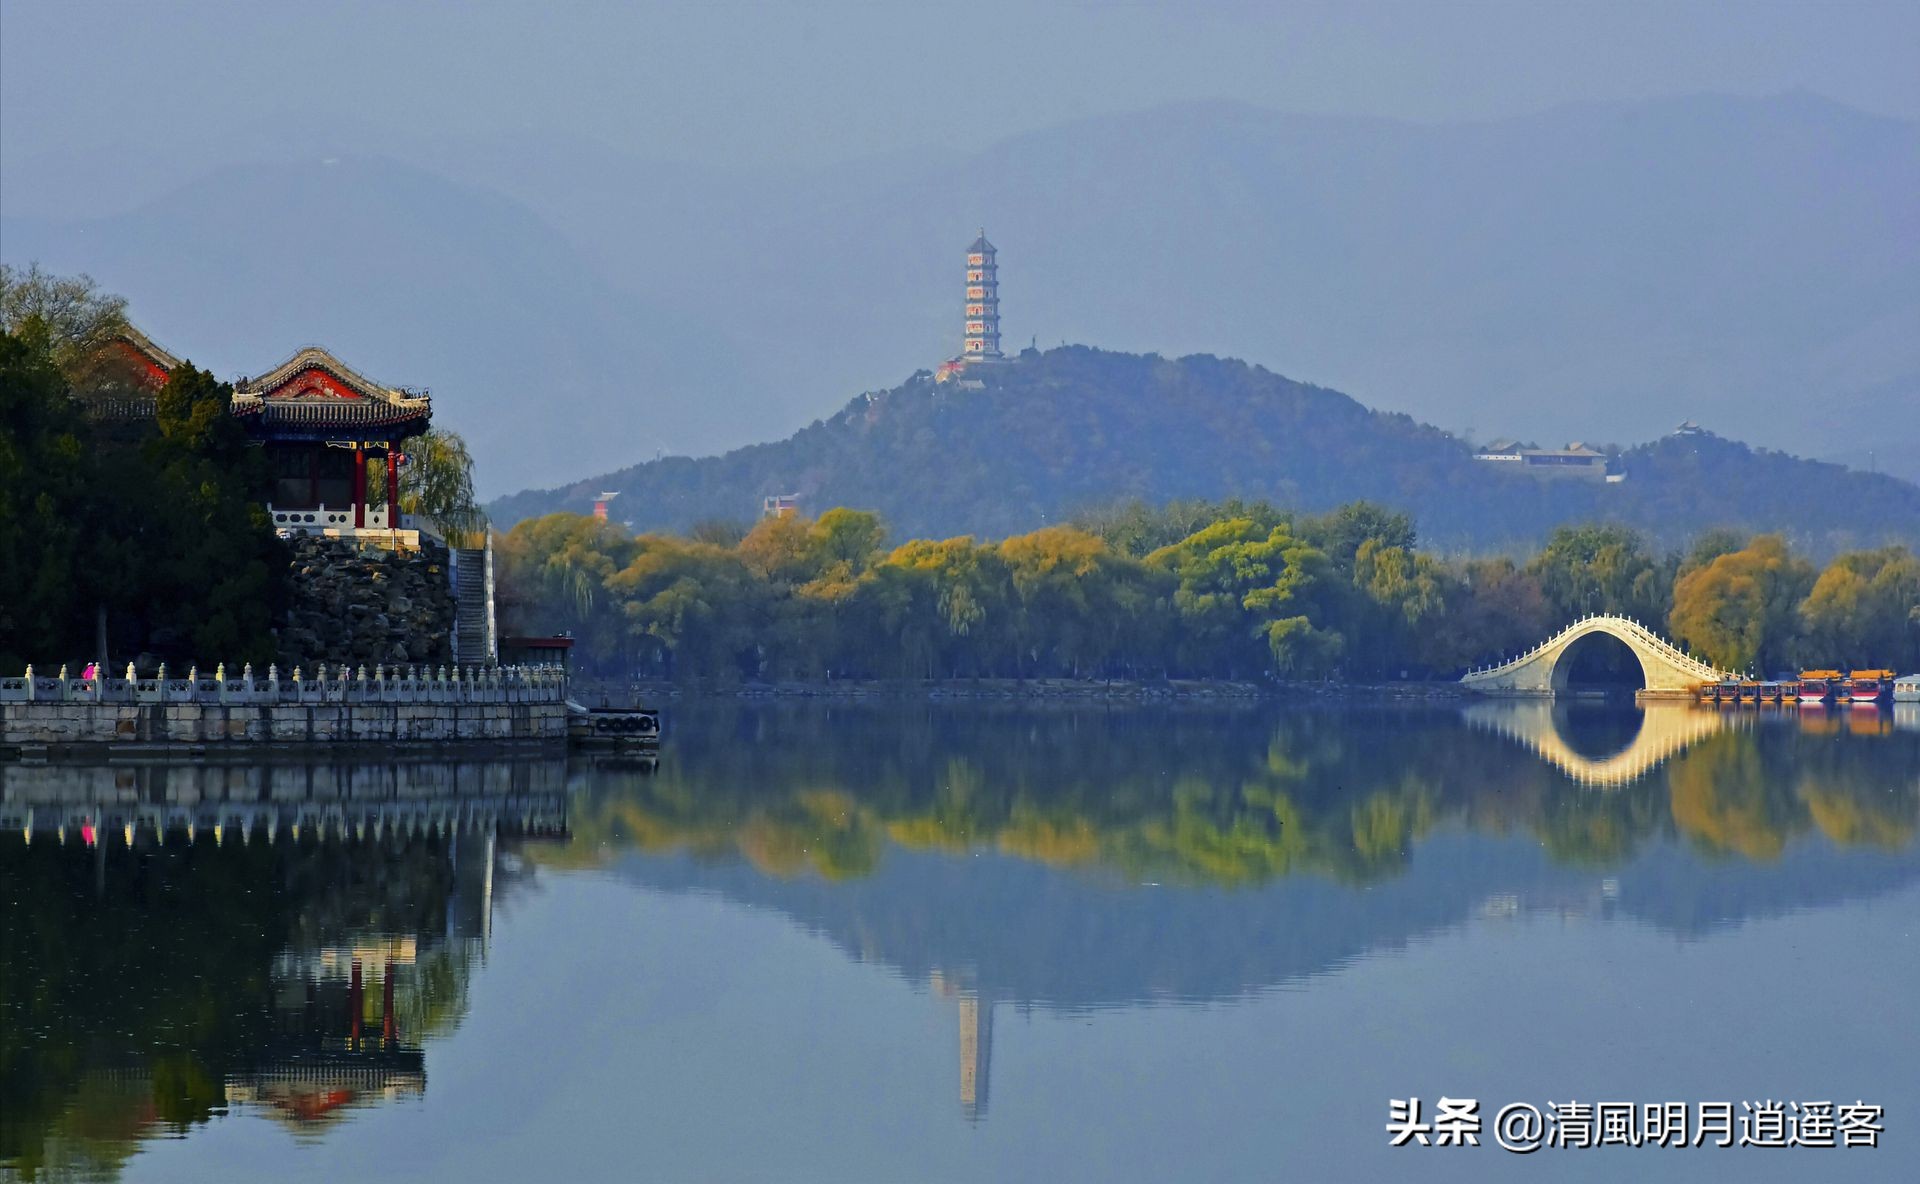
(359, 487)
(393, 489)
(355, 997)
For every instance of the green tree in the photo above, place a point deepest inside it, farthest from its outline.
(1236, 583)
(698, 603)
(553, 574)
(47, 470)
(215, 574)
(1342, 534)
(1602, 569)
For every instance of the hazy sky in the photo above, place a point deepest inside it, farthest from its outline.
(721, 82)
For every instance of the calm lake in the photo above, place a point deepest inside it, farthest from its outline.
(977, 942)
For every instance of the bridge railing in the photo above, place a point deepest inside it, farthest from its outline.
(1641, 632)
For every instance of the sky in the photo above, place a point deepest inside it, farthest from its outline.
(730, 84)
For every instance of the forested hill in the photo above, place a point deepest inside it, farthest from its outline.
(1055, 433)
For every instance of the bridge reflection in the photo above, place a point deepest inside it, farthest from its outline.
(1562, 734)
(1659, 732)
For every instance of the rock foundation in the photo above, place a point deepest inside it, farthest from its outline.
(359, 605)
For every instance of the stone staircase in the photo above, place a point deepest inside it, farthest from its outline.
(473, 639)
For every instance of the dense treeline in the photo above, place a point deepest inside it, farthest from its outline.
(1193, 589)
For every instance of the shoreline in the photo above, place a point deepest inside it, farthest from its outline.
(1022, 690)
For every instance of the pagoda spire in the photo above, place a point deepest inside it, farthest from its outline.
(982, 340)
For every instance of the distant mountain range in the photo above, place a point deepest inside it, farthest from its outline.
(1017, 445)
(1596, 270)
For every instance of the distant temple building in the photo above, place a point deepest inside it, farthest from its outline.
(333, 437)
(981, 340)
(1576, 460)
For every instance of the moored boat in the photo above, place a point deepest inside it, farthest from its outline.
(1749, 691)
(1727, 692)
(1817, 687)
(613, 727)
(1866, 687)
(1770, 692)
(1906, 689)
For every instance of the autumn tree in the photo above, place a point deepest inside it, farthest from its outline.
(1741, 611)
(1864, 610)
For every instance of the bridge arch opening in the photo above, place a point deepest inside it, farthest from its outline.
(1599, 663)
(1597, 730)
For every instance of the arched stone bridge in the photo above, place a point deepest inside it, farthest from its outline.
(1540, 671)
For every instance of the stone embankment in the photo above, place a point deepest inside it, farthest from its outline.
(1038, 689)
(353, 604)
(386, 706)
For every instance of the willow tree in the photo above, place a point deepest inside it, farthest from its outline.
(436, 485)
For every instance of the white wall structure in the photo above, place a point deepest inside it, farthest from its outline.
(1540, 671)
(384, 706)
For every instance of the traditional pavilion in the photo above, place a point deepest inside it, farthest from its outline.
(333, 436)
(981, 340)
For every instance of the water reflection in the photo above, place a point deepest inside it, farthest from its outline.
(1244, 798)
(182, 941)
(1081, 861)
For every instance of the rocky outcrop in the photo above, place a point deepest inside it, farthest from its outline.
(365, 605)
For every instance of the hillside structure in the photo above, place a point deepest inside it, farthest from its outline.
(1576, 460)
(980, 339)
(333, 436)
(334, 441)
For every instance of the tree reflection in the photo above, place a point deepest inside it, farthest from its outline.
(149, 986)
(1222, 798)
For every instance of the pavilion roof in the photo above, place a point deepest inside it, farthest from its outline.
(314, 393)
(274, 382)
(146, 346)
